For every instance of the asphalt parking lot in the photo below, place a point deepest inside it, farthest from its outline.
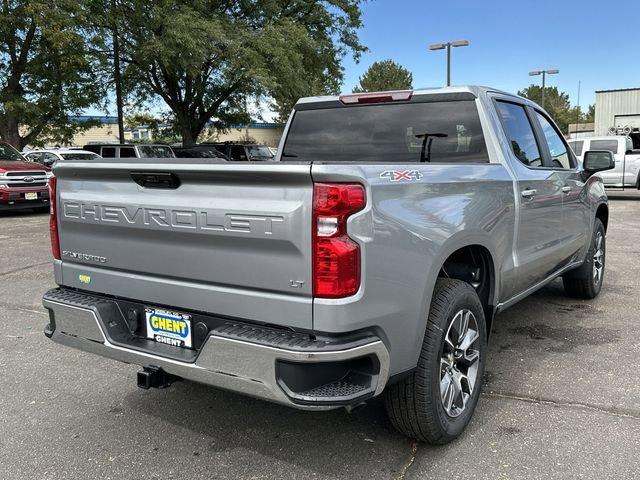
(561, 396)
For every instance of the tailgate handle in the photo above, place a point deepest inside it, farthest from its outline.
(156, 180)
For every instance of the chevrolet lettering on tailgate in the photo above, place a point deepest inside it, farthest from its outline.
(205, 220)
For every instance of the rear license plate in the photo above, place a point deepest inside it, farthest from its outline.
(31, 196)
(168, 327)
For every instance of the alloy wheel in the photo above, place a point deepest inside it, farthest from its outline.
(598, 260)
(459, 362)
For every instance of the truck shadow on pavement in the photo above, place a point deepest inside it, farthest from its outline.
(364, 444)
(327, 443)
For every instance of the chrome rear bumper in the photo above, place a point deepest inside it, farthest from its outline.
(230, 363)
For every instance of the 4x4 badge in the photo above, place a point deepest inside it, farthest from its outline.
(401, 175)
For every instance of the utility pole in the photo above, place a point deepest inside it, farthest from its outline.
(447, 46)
(117, 76)
(578, 112)
(544, 74)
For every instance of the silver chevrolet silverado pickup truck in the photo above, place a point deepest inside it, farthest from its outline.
(369, 259)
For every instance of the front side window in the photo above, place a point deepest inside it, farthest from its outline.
(608, 145)
(35, 157)
(237, 153)
(437, 132)
(577, 146)
(560, 156)
(520, 133)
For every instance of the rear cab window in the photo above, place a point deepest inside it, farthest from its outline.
(577, 145)
(608, 145)
(429, 131)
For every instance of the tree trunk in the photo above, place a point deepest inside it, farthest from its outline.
(190, 128)
(188, 138)
(10, 131)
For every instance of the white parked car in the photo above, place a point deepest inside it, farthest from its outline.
(627, 159)
(49, 157)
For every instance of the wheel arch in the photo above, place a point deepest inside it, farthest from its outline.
(602, 213)
(475, 251)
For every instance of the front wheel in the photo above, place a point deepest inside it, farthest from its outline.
(435, 403)
(586, 281)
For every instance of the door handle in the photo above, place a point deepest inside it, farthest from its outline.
(528, 193)
(566, 189)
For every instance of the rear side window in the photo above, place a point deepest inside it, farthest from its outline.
(127, 152)
(560, 156)
(440, 132)
(577, 146)
(109, 152)
(609, 145)
(520, 133)
(155, 151)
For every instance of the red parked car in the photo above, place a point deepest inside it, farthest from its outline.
(23, 184)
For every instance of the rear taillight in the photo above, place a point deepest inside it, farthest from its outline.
(336, 257)
(53, 219)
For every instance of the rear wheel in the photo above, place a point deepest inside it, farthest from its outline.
(435, 403)
(586, 281)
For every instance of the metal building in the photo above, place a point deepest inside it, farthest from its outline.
(618, 112)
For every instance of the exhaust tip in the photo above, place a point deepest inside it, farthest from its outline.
(356, 407)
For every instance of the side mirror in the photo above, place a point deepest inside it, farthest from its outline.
(598, 160)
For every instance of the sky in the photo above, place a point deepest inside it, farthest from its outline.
(589, 41)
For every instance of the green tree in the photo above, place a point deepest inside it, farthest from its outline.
(207, 59)
(46, 73)
(557, 104)
(590, 116)
(162, 127)
(384, 75)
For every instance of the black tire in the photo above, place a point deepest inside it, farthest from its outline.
(414, 404)
(582, 282)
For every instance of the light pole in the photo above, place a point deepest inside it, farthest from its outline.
(544, 73)
(447, 46)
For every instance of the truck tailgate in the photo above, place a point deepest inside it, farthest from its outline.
(232, 240)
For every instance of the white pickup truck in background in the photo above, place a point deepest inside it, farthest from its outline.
(627, 170)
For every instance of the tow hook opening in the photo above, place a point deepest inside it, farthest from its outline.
(155, 377)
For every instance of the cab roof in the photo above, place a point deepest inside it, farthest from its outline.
(472, 90)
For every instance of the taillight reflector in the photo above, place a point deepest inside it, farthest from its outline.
(336, 257)
(53, 219)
